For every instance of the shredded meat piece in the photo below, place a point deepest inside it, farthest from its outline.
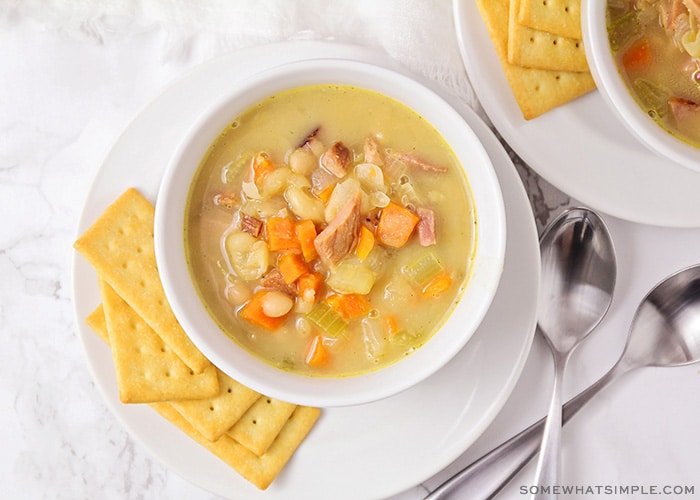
(225, 200)
(337, 159)
(426, 227)
(372, 152)
(251, 225)
(682, 109)
(412, 160)
(275, 281)
(309, 138)
(340, 236)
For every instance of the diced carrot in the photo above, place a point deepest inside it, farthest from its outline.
(309, 286)
(637, 56)
(281, 234)
(306, 234)
(253, 311)
(262, 165)
(395, 226)
(391, 324)
(325, 195)
(365, 243)
(349, 305)
(317, 354)
(438, 285)
(291, 266)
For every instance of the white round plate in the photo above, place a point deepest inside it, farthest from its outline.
(581, 148)
(369, 451)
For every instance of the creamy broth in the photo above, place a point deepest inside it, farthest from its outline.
(382, 293)
(656, 46)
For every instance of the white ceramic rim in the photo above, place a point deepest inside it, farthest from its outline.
(616, 95)
(313, 391)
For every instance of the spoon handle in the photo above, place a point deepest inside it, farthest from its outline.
(486, 476)
(547, 472)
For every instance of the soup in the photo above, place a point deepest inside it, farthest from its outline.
(330, 230)
(656, 44)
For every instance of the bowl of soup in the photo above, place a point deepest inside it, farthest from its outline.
(330, 232)
(645, 59)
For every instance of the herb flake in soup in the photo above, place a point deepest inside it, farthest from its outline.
(330, 230)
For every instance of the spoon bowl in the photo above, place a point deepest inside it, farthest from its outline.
(665, 330)
(578, 277)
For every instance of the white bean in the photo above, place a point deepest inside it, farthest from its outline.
(276, 181)
(302, 161)
(299, 181)
(276, 304)
(303, 327)
(249, 257)
(304, 205)
(237, 293)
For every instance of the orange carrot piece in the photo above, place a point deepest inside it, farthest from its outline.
(291, 266)
(395, 225)
(391, 324)
(365, 243)
(262, 165)
(325, 195)
(253, 312)
(281, 234)
(317, 354)
(349, 305)
(309, 286)
(438, 285)
(306, 234)
(638, 56)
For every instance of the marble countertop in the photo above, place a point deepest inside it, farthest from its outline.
(73, 78)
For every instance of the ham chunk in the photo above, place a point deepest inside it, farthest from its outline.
(251, 225)
(340, 236)
(274, 280)
(682, 109)
(372, 152)
(426, 226)
(337, 159)
(415, 161)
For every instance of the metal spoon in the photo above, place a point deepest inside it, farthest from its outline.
(578, 280)
(665, 331)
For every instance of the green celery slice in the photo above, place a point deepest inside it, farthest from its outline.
(423, 269)
(327, 319)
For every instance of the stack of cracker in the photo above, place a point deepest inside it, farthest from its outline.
(539, 44)
(156, 363)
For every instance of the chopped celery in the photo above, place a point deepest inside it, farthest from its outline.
(423, 269)
(232, 171)
(352, 276)
(375, 260)
(327, 319)
(406, 338)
